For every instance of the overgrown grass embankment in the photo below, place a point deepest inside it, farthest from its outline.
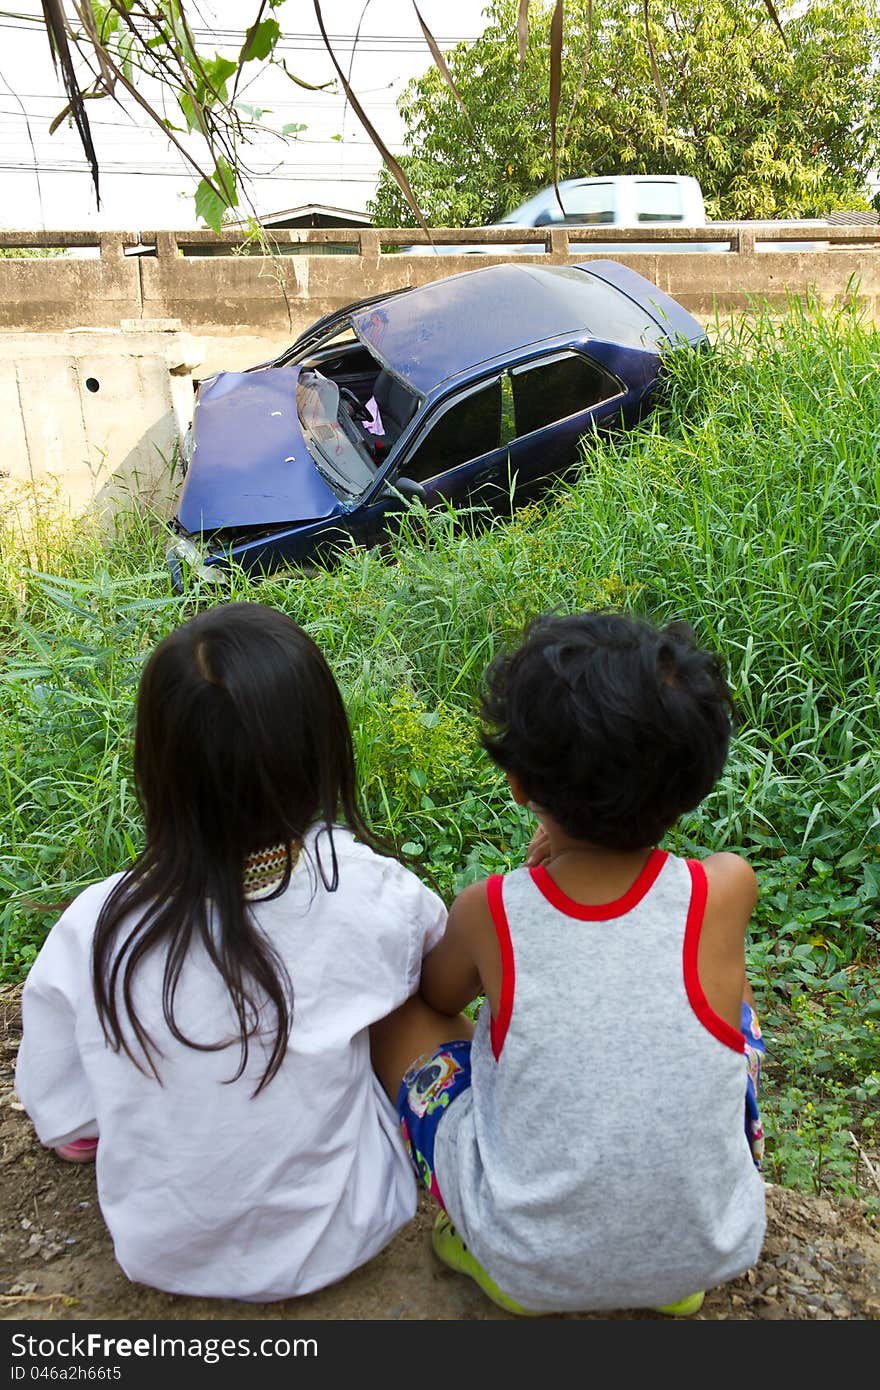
(749, 504)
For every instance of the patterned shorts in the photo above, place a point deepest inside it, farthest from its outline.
(755, 1051)
(434, 1080)
(427, 1089)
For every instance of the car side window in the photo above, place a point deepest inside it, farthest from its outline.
(470, 427)
(659, 201)
(590, 203)
(548, 391)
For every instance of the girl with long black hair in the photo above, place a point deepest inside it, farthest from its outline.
(200, 1021)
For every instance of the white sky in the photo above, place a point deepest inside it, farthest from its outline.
(145, 183)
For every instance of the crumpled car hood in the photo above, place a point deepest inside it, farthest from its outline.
(250, 465)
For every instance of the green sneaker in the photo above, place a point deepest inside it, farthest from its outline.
(451, 1249)
(684, 1308)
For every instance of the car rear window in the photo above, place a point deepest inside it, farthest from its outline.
(607, 312)
(548, 391)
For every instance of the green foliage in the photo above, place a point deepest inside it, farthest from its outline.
(130, 40)
(212, 206)
(15, 253)
(770, 129)
(748, 504)
(261, 41)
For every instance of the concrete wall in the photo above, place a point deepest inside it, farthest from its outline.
(55, 293)
(182, 276)
(94, 415)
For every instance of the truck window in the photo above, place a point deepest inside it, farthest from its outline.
(659, 201)
(592, 203)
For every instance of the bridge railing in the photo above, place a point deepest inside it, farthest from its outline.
(228, 283)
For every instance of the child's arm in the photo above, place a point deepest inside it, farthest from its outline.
(721, 962)
(433, 1016)
(466, 962)
(49, 1076)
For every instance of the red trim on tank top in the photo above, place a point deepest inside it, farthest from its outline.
(717, 1026)
(600, 912)
(498, 1026)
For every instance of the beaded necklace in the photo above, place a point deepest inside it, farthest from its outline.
(264, 869)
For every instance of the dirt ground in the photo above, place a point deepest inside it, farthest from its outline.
(821, 1260)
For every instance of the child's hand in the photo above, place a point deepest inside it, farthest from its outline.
(538, 851)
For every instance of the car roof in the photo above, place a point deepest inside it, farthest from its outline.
(436, 331)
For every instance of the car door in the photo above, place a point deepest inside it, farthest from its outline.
(500, 437)
(556, 400)
(455, 456)
(461, 450)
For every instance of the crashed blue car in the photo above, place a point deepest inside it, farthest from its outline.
(474, 389)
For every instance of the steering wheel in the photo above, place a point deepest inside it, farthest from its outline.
(356, 407)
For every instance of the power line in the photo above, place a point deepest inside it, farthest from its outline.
(303, 43)
(327, 106)
(301, 176)
(12, 137)
(121, 166)
(362, 171)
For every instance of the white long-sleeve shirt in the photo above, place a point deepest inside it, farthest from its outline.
(205, 1188)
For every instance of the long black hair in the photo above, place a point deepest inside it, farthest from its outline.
(242, 742)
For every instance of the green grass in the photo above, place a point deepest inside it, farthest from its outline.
(749, 504)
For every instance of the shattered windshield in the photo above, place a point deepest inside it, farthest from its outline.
(340, 459)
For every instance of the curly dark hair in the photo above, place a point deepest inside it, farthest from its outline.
(613, 726)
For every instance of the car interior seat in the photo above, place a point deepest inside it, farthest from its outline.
(396, 403)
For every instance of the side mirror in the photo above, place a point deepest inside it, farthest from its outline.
(408, 487)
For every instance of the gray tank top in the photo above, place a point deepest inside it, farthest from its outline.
(599, 1160)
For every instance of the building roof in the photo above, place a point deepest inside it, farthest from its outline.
(311, 215)
(853, 219)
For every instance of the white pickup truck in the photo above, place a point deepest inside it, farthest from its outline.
(620, 200)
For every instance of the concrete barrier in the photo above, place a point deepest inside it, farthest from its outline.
(207, 282)
(95, 414)
(50, 293)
